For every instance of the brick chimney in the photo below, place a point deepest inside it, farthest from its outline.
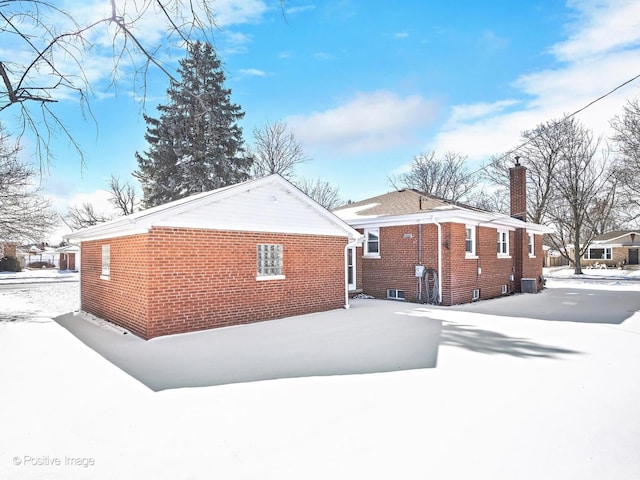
(518, 206)
(518, 191)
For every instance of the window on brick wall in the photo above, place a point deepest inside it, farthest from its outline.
(532, 245)
(372, 242)
(270, 262)
(598, 253)
(503, 243)
(106, 262)
(470, 241)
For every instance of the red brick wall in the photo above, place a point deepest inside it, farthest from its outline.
(398, 257)
(460, 275)
(200, 279)
(122, 299)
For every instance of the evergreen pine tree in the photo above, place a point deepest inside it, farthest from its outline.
(196, 144)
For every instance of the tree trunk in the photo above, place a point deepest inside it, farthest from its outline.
(577, 266)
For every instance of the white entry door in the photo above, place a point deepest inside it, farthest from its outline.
(351, 267)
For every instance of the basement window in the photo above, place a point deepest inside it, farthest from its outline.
(270, 262)
(394, 294)
(106, 262)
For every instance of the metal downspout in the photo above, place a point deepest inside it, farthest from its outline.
(439, 260)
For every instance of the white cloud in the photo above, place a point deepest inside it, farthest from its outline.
(252, 72)
(368, 122)
(585, 72)
(601, 26)
(401, 35)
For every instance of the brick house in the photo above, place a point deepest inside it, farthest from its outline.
(421, 248)
(254, 251)
(616, 248)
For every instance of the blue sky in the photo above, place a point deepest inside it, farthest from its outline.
(367, 85)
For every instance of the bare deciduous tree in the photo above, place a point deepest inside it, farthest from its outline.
(275, 150)
(84, 216)
(24, 214)
(56, 44)
(626, 143)
(445, 177)
(123, 195)
(320, 191)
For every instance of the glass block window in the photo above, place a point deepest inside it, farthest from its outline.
(269, 260)
(106, 260)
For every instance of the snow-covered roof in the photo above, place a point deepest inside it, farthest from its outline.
(408, 206)
(268, 204)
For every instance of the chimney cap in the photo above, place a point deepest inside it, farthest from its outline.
(517, 160)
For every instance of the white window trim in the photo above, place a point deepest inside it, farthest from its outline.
(277, 276)
(531, 245)
(472, 253)
(587, 254)
(105, 271)
(506, 242)
(367, 231)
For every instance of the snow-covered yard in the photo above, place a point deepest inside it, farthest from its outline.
(497, 396)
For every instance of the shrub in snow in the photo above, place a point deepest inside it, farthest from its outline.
(10, 264)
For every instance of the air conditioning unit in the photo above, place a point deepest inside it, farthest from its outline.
(528, 285)
(475, 294)
(504, 290)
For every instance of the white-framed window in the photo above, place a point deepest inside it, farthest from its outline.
(470, 241)
(598, 253)
(532, 245)
(270, 262)
(394, 294)
(106, 262)
(503, 243)
(372, 242)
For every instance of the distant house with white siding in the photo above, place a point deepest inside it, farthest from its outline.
(254, 251)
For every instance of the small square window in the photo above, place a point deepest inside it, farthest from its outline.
(372, 242)
(270, 260)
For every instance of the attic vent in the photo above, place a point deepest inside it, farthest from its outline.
(475, 294)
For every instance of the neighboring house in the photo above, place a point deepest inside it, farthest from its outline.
(254, 251)
(616, 248)
(421, 248)
(69, 257)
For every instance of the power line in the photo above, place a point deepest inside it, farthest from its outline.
(560, 121)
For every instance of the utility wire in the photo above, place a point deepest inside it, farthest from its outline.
(558, 122)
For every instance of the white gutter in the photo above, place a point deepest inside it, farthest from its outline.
(351, 244)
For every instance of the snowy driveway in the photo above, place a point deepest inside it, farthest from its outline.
(510, 397)
(371, 337)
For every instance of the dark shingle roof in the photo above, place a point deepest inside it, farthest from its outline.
(402, 202)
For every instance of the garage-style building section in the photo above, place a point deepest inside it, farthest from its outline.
(254, 251)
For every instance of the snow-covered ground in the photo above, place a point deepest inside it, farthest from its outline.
(510, 397)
